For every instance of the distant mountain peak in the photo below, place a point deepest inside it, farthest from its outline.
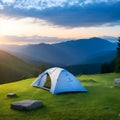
(95, 38)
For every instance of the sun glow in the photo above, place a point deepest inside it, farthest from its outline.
(31, 27)
(13, 26)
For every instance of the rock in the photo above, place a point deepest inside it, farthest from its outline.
(117, 80)
(26, 105)
(11, 95)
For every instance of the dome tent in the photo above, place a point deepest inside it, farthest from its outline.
(58, 80)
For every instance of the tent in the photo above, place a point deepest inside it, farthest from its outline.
(58, 80)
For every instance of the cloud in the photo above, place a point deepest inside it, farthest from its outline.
(72, 13)
(30, 40)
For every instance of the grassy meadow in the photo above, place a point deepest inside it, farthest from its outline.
(102, 102)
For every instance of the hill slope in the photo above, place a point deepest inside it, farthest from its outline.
(100, 103)
(12, 68)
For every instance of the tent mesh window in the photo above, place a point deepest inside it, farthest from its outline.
(48, 82)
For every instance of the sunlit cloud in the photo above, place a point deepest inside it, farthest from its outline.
(21, 40)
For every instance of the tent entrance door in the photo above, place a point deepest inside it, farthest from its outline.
(47, 83)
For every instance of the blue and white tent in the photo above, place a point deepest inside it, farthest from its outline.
(58, 80)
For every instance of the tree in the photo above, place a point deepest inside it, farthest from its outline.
(117, 68)
(108, 67)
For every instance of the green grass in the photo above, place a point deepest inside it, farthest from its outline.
(100, 103)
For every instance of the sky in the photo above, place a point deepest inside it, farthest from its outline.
(51, 21)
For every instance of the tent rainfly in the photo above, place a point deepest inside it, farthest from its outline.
(58, 80)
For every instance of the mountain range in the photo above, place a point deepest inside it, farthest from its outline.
(71, 53)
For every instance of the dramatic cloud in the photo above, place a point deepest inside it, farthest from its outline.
(67, 13)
